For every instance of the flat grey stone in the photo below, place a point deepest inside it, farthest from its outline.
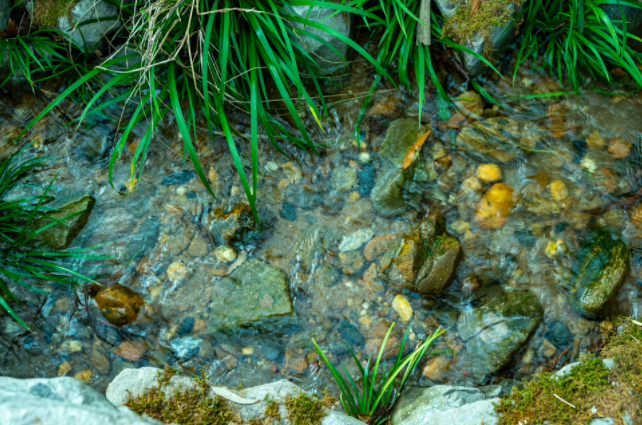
(86, 10)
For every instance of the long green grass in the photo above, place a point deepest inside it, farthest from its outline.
(577, 36)
(380, 389)
(23, 261)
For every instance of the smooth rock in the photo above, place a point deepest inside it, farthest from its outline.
(256, 294)
(494, 330)
(390, 196)
(599, 270)
(186, 347)
(402, 307)
(355, 240)
(135, 382)
(60, 236)
(131, 350)
(492, 211)
(327, 59)
(88, 35)
(444, 405)
(488, 173)
(60, 401)
(343, 178)
(119, 304)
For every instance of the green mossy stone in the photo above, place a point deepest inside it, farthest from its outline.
(599, 270)
(254, 295)
(60, 236)
(439, 268)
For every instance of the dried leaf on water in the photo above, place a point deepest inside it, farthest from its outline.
(407, 160)
(474, 5)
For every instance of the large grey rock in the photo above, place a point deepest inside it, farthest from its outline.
(600, 268)
(501, 37)
(59, 401)
(632, 15)
(138, 381)
(86, 10)
(326, 58)
(444, 405)
(254, 295)
(390, 195)
(496, 329)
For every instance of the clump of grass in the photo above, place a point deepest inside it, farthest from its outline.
(589, 391)
(462, 27)
(305, 410)
(22, 260)
(575, 36)
(378, 393)
(191, 406)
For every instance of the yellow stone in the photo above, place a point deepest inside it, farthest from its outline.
(493, 209)
(554, 247)
(558, 190)
(84, 376)
(176, 271)
(64, 369)
(547, 349)
(435, 367)
(489, 173)
(366, 321)
(471, 184)
(595, 141)
(248, 351)
(354, 196)
(403, 308)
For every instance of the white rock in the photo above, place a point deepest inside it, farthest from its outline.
(85, 10)
(138, 381)
(60, 401)
(355, 240)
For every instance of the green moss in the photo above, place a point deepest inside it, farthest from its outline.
(305, 410)
(192, 406)
(461, 27)
(47, 12)
(593, 390)
(272, 411)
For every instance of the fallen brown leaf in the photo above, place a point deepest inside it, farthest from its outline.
(407, 160)
(474, 5)
(10, 31)
(456, 121)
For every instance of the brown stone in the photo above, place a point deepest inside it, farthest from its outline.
(295, 364)
(619, 148)
(131, 350)
(84, 376)
(605, 180)
(64, 369)
(351, 262)
(198, 246)
(435, 368)
(388, 107)
(119, 304)
(100, 361)
(377, 246)
(374, 339)
(469, 284)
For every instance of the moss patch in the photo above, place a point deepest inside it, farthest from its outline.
(461, 27)
(192, 406)
(305, 410)
(47, 12)
(593, 390)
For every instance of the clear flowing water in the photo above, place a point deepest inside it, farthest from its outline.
(312, 207)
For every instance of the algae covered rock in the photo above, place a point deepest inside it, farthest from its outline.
(425, 260)
(61, 235)
(390, 195)
(494, 330)
(254, 295)
(599, 270)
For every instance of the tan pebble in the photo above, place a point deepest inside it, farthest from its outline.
(70, 347)
(64, 369)
(619, 148)
(558, 190)
(352, 163)
(547, 349)
(554, 247)
(377, 246)
(225, 254)
(199, 325)
(213, 175)
(63, 304)
(469, 236)
(595, 141)
(283, 183)
(442, 165)
(493, 209)
(460, 227)
(176, 271)
(174, 209)
(636, 216)
(364, 157)
(354, 196)
(366, 321)
(181, 190)
(435, 368)
(488, 173)
(197, 247)
(403, 308)
(247, 351)
(589, 164)
(471, 184)
(469, 284)
(84, 376)
(271, 166)
(130, 350)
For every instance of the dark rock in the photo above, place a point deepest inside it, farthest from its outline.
(230, 225)
(559, 335)
(186, 326)
(600, 268)
(145, 239)
(389, 195)
(119, 304)
(60, 236)
(496, 329)
(178, 178)
(288, 212)
(366, 179)
(580, 147)
(271, 350)
(255, 295)
(425, 260)
(191, 195)
(350, 333)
